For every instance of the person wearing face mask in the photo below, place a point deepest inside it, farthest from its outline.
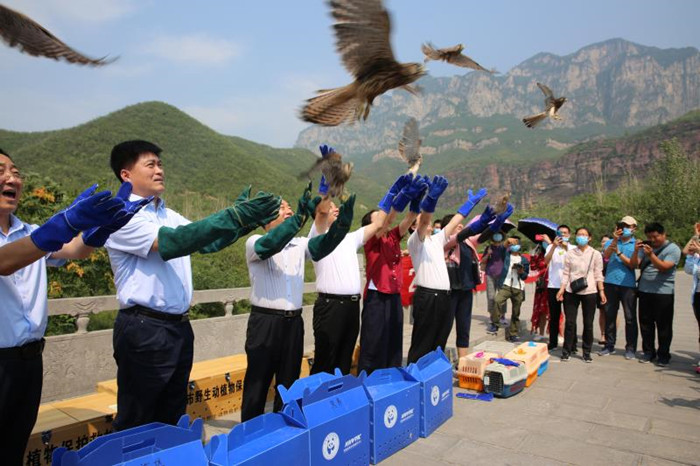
(512, 282)
(492, 263)
(437, 227)
(620, 288)
(582, 275)
(554, 257)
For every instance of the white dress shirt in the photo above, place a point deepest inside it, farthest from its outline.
(339, 272)
(278, 281)
(141, 276)
(556, 265)
(23, 294)
(428, 258)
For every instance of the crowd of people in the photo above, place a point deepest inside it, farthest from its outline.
(149, 247)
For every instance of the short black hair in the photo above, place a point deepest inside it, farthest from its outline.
(563, 225)
(4, 152)
(126, 153)
(367, 218)
(515, 237)
(437, 221)
(654, 227)
(584, 228)
(445, 220)
(605, 236)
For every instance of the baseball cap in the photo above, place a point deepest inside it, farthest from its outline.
(628, 220)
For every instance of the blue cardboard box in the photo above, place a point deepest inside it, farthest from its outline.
(305, 385)
(434, 372)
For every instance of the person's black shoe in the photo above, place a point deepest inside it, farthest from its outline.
(662, 362)
(565, 357)
(513, 338)
(587, 358)
(492, 329)
(646, 358)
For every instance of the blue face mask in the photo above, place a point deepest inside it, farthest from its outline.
(566, 240)
(515, 248)
(436, 230)
(544, 246)
(498, 237)
(582, 240)
(626, 232)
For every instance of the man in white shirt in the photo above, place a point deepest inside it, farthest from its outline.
(554, 257)
(275, 336)
(153, 339)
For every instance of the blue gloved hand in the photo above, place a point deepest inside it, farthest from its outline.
(97, 236)
(401, 181)
(437, 187)
(501, 218)
(325, 150)
(85, 212)
(323, 186)
(411, 191)
(472, 201)
(506, 362)
(480, 224)
(415, 202)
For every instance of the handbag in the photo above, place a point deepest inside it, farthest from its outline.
(581, 284)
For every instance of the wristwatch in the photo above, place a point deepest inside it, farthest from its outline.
(618, 253)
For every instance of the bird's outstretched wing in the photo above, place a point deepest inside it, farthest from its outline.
(430, 52)
(18, 30)
(466, 62)
(547, 91)
(409, 144)
(362, 29)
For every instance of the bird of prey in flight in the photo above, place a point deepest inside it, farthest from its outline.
(362, 29)
(551, 107)
(452, 55)
(334, 170)
(409, 146)
(18, 30)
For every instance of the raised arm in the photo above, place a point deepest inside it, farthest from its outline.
(322, 245)
(278, 237)
(411, 194)
(428, 204)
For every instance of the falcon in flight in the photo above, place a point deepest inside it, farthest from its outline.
(452, 55)
(409, 146)
(18, 30)
(551, 107)
(334, 170)
(362, 29)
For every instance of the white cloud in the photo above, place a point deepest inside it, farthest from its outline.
(193, 48)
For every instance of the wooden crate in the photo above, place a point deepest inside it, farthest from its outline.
(71, 424)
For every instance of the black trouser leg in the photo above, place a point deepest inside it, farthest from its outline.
(461, 302)
(432, 322)
(263, 359)
(646, 323)
(629, 306)
(696, 309)
(381, 332)
(612, 293)
(20, 395)
(588, 306)
(444, 314)
(154, 358)
(571, 302)
(336, 325)
(291, 338)
(554, 317)
(395, 331)
(663, 317)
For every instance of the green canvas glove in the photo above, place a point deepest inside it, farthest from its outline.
(322, 245)
(276, 239)
(224, 226)
(250, 213)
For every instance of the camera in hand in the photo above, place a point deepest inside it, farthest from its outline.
(647, 242)
(621, 226)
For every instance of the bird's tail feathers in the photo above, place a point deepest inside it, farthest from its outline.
(534, 120)
(332, 106)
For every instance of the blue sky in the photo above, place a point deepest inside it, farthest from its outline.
(245, 67)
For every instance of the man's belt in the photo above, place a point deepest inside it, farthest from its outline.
(275, 312)
(144, 311)
(432, 290)
(29, 350)
(340, 297)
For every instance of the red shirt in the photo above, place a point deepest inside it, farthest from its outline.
(407, 288)
(383, 262)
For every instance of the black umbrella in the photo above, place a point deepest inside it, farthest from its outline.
(537, 226)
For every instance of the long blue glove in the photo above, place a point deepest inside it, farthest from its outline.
(97, 237)
(323, 186)
(415, 202)
(85, 212)
(437, 187)
(478, 225)
(414, 189)
(325, 150)
(472, 201)
(401, 181)
(501, 219)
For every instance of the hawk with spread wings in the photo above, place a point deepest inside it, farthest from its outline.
(551, 107)
(362, 29)
(18, 30)
(409, 146)
(452, 55)
(334, 170)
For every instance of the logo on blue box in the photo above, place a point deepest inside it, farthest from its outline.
(390, 415)
(330, 446)
(434, 395)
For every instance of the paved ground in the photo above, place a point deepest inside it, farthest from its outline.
(612, 411)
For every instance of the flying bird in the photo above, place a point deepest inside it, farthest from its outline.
(409, 146)
(452, 55)
(502, 205)
(362, 29)
(551, 107)
(18, 30)
(334, 170)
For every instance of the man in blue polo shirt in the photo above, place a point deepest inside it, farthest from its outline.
(25, 251)
(620, 287)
